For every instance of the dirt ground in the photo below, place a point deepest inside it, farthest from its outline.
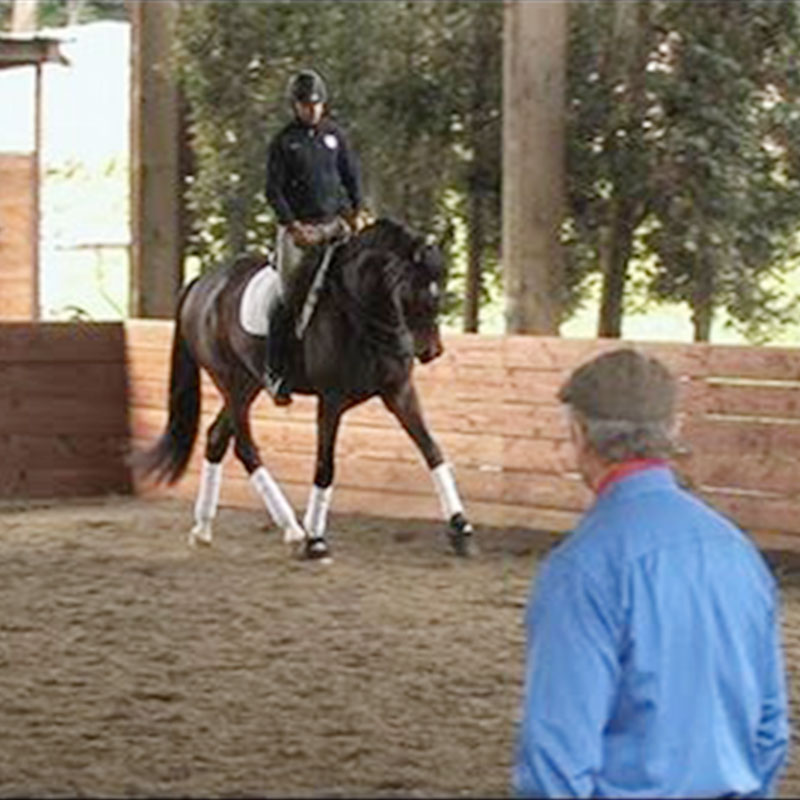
(131, 665)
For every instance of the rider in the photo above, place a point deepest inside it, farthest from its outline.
(313, 186)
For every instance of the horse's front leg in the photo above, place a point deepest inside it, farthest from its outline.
(329, 414)
(404, 404)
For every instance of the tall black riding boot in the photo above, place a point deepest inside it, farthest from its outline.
(276, 371)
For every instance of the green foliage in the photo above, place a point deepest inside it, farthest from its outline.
(698, 151)
(682, 135)
(57, 13)
(398, 75)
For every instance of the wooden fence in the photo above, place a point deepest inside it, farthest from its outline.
(18, 237)
(491, 403)
(63, 410)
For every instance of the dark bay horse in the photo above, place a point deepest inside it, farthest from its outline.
(377, 311)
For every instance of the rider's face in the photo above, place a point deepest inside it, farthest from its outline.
(308, 113)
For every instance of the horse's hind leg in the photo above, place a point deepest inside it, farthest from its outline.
(218, 438)
(405, 405)
(262, 481)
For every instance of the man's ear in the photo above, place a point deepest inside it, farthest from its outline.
(577, 433)
(574, 427)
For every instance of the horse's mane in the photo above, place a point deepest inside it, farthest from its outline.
(385, 235)
(377, 257)
(388, 234)
(372, 264)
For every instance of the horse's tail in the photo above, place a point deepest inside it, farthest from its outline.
(168, 457)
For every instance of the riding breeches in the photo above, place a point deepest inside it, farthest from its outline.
(289, 256)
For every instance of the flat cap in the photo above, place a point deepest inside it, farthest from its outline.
(623, 385)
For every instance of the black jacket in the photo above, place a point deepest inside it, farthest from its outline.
(312, 175)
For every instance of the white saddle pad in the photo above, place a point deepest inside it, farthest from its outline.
(260, 296)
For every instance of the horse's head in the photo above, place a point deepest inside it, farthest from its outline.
(396, 279)
(421, 300)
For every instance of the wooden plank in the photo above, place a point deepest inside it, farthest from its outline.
(756, 511)
(764, 363)
(742, 438)
(63, 415)
(237, 492)
(43, 481)
(483, 451)
(781, 400)
(525, 494)
(354, 442)
(472, 352)
(771, 540)
(773, 473)
(401, 478)
(562, 355)
(475, 417)
(149, 333)
(464, 416)
(538, 455)
(489, 393)
(489, 383)
(18, 236)
(63, 450)
(479, 451)
(91, 382)
(66, 342)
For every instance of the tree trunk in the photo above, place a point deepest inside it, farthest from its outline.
(475, 246)
(534, 66)
(74, 8)
(156, 184)
(483, 42)
(703, 300)
(629, 53)
(24, 16)
(615, 252)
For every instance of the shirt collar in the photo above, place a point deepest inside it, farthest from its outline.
(619, 471)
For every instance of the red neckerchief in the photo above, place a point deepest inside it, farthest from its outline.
(619, 471)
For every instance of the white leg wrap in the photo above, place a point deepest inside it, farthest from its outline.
(445, 485)
(205, 506)
(277, 504)
(315, 520)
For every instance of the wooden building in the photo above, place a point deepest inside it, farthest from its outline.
(19, 189)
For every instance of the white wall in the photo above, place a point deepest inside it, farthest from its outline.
(85, 231)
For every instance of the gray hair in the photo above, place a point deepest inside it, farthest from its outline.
(617, 440)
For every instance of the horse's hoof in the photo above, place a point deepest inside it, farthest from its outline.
(294, 535)
(317, 550)
(200, 536)
(460, 535)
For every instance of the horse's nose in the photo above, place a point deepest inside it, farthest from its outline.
(433, 348)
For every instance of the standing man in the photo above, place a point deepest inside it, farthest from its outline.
(654, 659)
(313, 186)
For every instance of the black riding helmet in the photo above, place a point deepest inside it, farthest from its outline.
(307, 87)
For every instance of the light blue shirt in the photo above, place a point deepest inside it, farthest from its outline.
(654, 660)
